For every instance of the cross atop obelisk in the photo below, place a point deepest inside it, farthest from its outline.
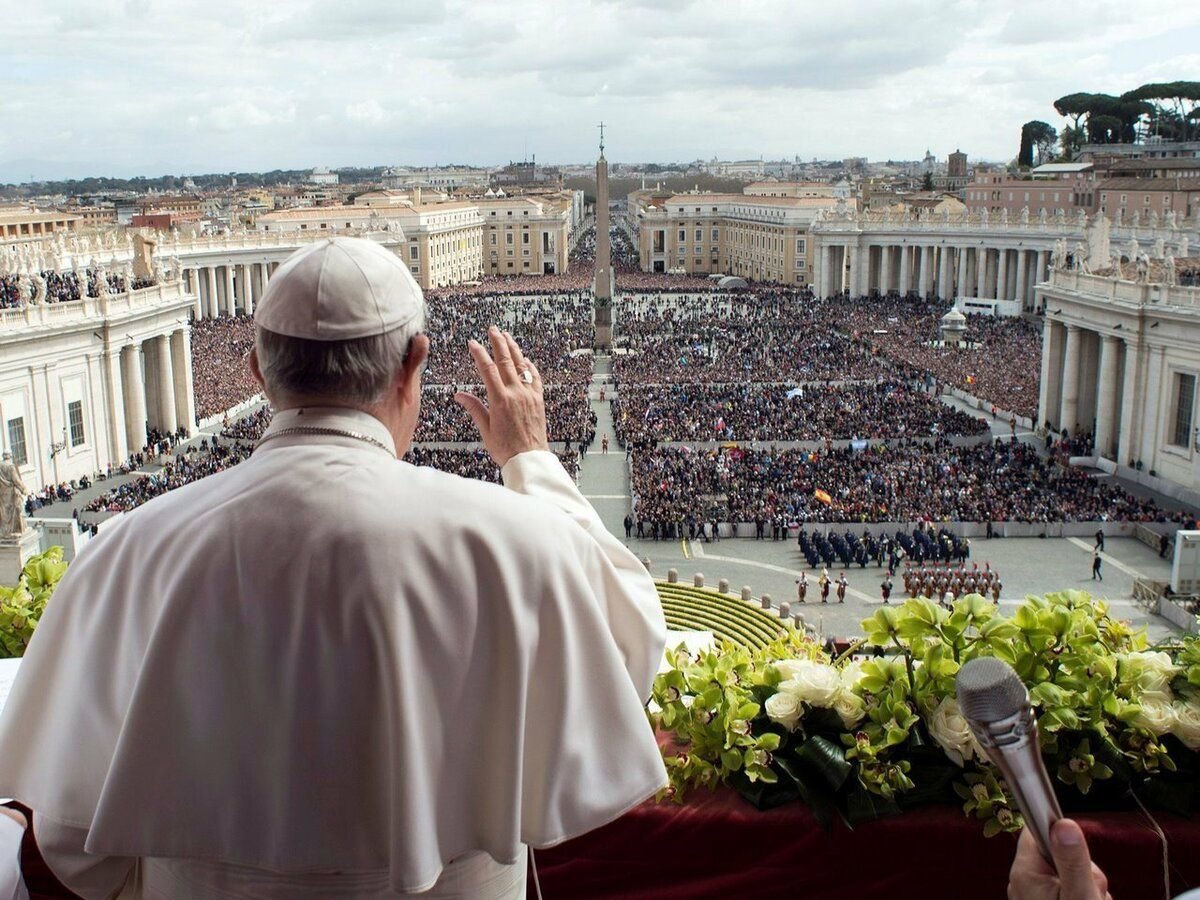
(602, 286)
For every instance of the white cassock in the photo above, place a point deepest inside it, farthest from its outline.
(326, 672)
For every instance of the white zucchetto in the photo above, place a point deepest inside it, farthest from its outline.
(340, 289)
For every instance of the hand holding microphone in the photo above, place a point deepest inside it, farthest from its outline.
(995, 703)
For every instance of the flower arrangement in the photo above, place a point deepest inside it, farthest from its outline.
(22, 604)
(863, 738)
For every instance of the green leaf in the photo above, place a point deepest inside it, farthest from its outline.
(827, 758)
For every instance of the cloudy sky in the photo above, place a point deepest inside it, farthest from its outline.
(125, 87)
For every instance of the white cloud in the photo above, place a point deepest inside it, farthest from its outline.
(368, 111)
(221, 85)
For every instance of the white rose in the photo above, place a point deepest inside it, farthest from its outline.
(1187, 724)
(849, 707)
(852, 673)
(814, 683)
(785, 709)
(788, 668)
(1152, 671)
(1156, 716)
(949, 728)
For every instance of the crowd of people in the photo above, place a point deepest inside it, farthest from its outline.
(569, 416)
(1004, 480)
(188, 466)
(1001, 362)
(221, 377)
(51, 286)
(772, 412)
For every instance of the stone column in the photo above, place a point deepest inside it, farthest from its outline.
(114, 402)
(1043, 259)
(905, 279)
(980, 272)
(1127, 436)
(945, 289)
(1151, 409)
(823, 272)
(1047, 392)
(922, 266)
(181, 365)
(1106, 396)
(885, 269)
(1002, 274)
(134, 383)
(258, 281)
(230, 297)
(214, 305)
(167, 420)
(1022, 279)
(960, 285)
(192, 285)
(243, 286)
(1070, 381)
(852, 254)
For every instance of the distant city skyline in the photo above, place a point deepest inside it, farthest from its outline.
(144, 87)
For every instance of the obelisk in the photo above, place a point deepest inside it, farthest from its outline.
(602, 286)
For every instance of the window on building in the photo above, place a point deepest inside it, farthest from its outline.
(801, 246)
(493, 236)
(16, 441)
(75, 418)
(683, 234)
(508, 238)
(699, 233)
(1181, 423)
(716, 234)
(525, 237)
(414, 252)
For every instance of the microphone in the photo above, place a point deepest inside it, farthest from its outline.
(996, 706)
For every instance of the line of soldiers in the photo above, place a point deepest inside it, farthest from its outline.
(847, 547)
(944, 583)
(926, 544)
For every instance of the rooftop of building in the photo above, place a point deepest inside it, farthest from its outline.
(1060, 168)
(1148, 184)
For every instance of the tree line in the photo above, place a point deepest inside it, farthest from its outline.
(1167, 110)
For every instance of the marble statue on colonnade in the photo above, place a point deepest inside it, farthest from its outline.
(1058, 256)
(12, 498)
(1081, 260)
(1135, 250)
(1183, 247)
(143, 256)
(1143, 267)
(1024, 215)
(1169, 268)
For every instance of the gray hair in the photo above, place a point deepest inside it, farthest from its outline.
(358, 371)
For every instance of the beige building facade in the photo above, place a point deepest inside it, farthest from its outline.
(81, 382)
(1119, 360)
(763, 238)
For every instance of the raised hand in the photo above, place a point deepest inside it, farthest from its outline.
(513, 420)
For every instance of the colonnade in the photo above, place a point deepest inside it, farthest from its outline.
(944, 269)
(1089, 384)
(151, 387)
(227, 288)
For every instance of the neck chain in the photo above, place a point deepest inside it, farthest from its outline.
(338, 432)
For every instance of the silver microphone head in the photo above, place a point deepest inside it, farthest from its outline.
(989, 690)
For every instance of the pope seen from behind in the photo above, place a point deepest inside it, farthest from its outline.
(326, 672)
